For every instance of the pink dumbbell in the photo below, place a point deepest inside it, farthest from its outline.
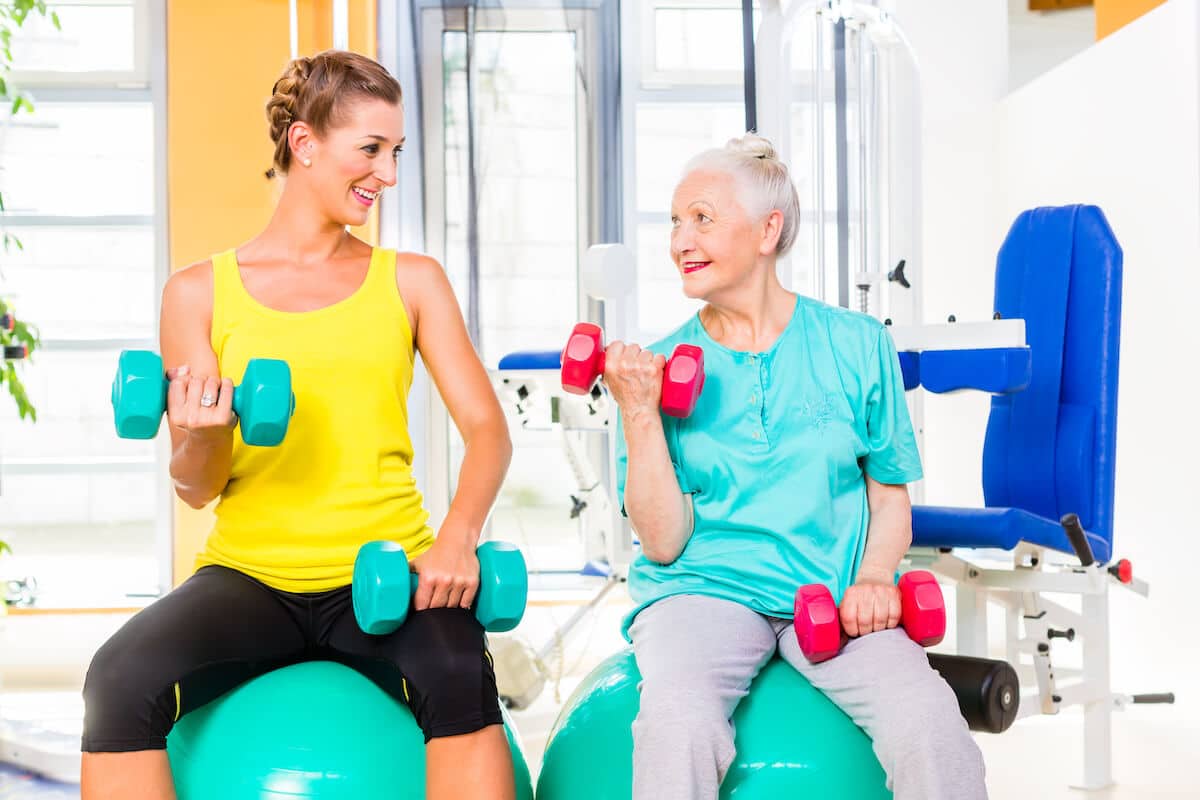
(583, 364)
(819, 627)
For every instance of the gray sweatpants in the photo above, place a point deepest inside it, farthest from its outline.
(698, 655)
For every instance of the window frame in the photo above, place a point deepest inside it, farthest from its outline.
(146, 83)
(650, 77)
(138, 77)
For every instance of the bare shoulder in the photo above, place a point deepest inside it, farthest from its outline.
(417, 267)
(420, 278)
(424, 287)
(190, 285)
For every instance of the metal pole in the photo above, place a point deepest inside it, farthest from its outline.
(864, 165)
(748, 65)
(843, 176)
(819, 168)
(472, 192)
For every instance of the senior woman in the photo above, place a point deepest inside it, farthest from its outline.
(792, 470)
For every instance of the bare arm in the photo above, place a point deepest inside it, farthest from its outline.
(445, 347)
(658, 510)
(889, 533)
(201, 437)
(873, 602)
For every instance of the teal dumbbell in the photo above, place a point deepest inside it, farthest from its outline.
(382, 587)
(263, 402)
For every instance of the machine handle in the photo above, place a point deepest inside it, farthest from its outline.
(1078, 539)
(1161, 697)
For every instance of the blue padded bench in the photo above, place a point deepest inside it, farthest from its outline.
(1049, 449)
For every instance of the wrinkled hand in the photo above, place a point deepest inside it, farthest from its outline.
(870, 605)
(634, 377)
(186, 413)
(448, 574)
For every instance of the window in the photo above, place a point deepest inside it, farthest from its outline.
(527, 172)
(102, 43)
(535, 98)
(82, 509)
(692, 42)
(687, 97)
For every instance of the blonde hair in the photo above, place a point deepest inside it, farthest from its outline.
(764, 179)
(317, 90)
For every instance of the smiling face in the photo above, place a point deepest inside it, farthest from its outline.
(715, 244)
(354, 161)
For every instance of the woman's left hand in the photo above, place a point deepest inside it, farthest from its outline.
(871, 604)
(448, 573)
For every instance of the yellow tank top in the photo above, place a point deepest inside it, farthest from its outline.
(294, 516)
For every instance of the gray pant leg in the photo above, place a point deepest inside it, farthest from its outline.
(697, 656)
(884, 683)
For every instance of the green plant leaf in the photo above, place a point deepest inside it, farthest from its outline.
(17, 390)
(17, 11)
(4, 548)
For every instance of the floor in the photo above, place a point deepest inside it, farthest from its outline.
(1156, 749)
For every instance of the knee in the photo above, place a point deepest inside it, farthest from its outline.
(452, 690)
(683, 711)
(925, 725)
(122, 709)
(113, 676)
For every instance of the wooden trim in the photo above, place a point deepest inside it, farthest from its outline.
(34, 611)
(1058, 5)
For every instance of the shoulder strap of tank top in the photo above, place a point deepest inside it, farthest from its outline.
(225, 290)
(383, 274)
(383, 267)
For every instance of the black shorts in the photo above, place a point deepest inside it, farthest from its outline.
(222, 628)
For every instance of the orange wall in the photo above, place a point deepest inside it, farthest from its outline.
(222, 58)
(1114, 14)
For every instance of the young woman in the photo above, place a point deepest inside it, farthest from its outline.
(272, 586)
(792, 470)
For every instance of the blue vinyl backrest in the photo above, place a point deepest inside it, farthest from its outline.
(1051, 449)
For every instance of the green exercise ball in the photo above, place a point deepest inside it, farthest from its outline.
(791, 741)
(312, 730)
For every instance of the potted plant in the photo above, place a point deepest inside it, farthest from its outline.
(18, 339)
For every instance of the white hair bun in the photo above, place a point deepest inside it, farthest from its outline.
(752, 145)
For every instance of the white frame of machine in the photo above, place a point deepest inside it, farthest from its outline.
(1032, 622)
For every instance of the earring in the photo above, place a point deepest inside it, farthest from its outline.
(306, 162)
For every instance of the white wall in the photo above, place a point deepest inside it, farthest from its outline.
(1117, 126)
(962, 54)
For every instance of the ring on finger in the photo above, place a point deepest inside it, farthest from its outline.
(207, 400)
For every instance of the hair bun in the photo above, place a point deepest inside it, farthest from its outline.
(754, 146)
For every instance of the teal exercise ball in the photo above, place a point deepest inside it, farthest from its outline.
(791, 741)
(312, 730)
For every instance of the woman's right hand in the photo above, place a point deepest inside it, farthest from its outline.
(634, 377)
(186, 411)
